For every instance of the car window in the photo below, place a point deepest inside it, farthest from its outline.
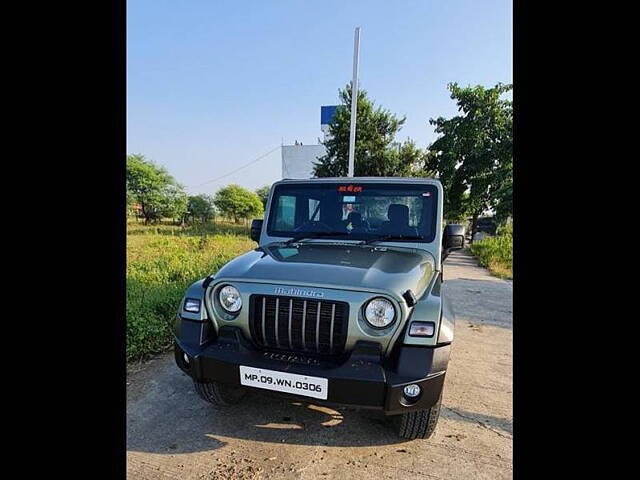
(361, 211)
(285, 216)
(314, 210)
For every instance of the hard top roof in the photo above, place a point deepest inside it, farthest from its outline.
(361, 179)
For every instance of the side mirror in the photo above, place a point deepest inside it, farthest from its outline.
(452, 239)
(256, 228)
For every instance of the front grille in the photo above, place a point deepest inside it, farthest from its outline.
(298, 325)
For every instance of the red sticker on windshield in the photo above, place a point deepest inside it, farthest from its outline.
(349, 188)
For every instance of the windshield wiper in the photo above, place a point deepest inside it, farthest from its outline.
(313, 235)
(390, 236)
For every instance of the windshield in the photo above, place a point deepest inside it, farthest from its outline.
(364, 211)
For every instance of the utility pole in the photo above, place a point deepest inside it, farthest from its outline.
(354, 101)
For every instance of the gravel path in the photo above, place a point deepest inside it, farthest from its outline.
(171, 433)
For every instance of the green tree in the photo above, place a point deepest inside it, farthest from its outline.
(235, 202)
(174, 203)
(200, 207)
(263, 193)
(473, 155)
(151, 187)
(415, 160)
(504, 201)
(375, 153)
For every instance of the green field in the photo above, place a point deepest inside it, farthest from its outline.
(496, 253)
(162, 261)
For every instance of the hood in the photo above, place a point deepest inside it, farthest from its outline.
(348, 266)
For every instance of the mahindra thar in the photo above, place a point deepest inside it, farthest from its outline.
(341, 302)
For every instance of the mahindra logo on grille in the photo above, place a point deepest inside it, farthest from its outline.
(291, 358)
(300, 292)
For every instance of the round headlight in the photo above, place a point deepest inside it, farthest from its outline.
(380, 313)
(230, 300)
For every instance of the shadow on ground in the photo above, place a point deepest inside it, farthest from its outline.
(464, 259)
(171, 418)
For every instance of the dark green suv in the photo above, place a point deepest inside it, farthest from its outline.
(340, 302)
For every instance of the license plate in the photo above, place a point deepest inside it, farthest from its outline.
(315, 387)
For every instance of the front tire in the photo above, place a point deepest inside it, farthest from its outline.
(420, 423)
(219, 394)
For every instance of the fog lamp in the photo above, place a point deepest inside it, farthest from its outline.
(412, 391)
(186, 358)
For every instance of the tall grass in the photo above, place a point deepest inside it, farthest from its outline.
(496, 253)
(162, 261)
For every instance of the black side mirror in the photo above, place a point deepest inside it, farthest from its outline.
(256, 228)
(452, 239)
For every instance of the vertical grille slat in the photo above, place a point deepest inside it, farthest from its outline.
(277, 315)
(319, 327)
(264, 312)
(333, 319)
(290, 316)
(304, 321)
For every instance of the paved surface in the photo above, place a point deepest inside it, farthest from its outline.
(171, 433)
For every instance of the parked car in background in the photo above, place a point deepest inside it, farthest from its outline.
(487, 225)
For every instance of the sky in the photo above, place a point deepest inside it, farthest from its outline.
(212, 85)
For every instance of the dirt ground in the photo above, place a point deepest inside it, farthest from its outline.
(172, 433)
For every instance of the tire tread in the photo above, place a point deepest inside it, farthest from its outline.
(213, 392)
(420, 423)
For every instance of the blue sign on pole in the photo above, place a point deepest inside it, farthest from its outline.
(327, 113)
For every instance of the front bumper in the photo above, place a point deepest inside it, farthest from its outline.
(365, 379)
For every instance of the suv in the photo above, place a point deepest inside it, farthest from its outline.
(486, 225)
(341, 302)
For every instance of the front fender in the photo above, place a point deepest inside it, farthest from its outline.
(433, 307)
(195, 290)
(193, 329)
(447, 323)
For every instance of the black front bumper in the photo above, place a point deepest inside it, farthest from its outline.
(365, 379)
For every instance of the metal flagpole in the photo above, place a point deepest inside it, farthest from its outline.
(354, 101)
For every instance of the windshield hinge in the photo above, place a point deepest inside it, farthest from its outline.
(207, 281)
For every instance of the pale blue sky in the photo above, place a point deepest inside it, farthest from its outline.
(212, 85)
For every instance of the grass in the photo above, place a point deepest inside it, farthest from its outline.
(162, 261)
(496, 253)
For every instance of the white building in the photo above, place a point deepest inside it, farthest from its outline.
(298, 160)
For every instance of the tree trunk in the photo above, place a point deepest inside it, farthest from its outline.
(143, 209)
(474, 225)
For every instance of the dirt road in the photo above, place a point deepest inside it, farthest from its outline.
(171, 433)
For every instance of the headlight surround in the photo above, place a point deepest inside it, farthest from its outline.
(379, 313)
(229, 298)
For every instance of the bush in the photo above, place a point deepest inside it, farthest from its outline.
(496, 253)
(235, 202)
(155, 191)
(161, 264)
(506, 230)
(200, 207)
